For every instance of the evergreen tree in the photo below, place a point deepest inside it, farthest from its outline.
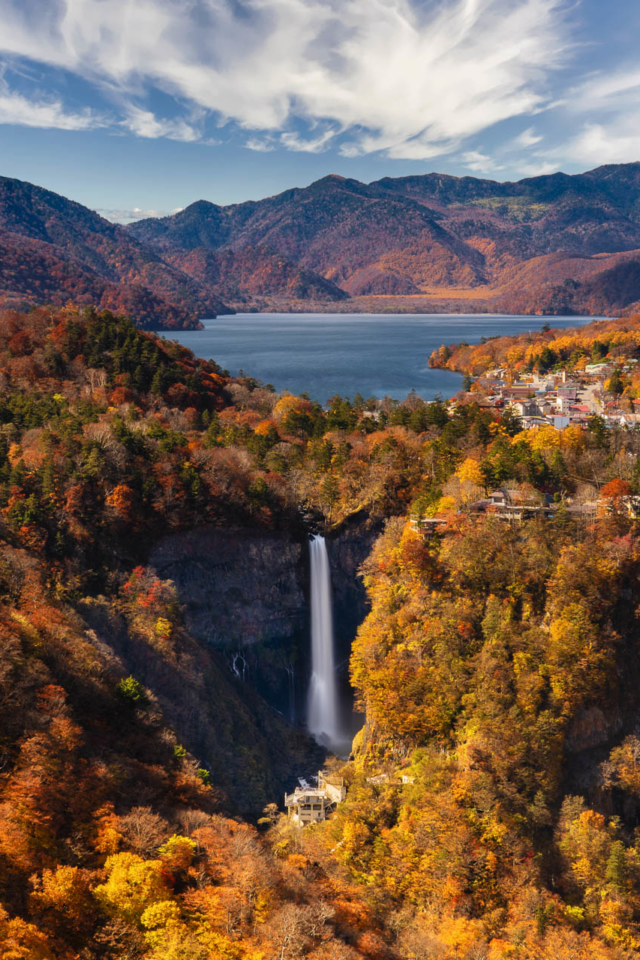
(615, 385)
(157, 384)
(616, 869)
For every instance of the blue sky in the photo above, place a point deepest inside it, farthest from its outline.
(138, 106)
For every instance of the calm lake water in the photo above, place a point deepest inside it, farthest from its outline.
(371, 354)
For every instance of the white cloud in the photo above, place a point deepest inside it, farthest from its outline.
(17, 109)
(414, 79)
(598, 143)
(608, 91)
(538, 168)
(259, 145)
(301, 145)
(612, 133)
(528, 138)
(145, 124)
(130, 216)
(479, 162)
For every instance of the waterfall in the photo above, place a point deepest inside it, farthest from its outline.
(323, 720)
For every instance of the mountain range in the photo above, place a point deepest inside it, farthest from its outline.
(430, 243)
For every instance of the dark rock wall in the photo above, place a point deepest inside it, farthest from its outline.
(246, 593)
(239, 587)
(348, 549)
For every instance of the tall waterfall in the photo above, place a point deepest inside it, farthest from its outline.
(323, 720)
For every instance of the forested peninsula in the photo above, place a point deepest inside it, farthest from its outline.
(149, 704)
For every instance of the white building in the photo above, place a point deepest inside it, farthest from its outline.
(309, 804)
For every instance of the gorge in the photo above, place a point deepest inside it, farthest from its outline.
(248, 598)
(157, 594)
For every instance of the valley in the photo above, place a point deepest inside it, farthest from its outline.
(319, 480)
(157, 657)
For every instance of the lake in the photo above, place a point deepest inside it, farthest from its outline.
(371, 354)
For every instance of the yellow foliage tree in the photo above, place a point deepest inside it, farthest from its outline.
(62, 896)
(177, 852)
(469, 472)
(543, 438)
(132, 885)
(287, 404)
(572, 438)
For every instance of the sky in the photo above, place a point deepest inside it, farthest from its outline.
(139, 107)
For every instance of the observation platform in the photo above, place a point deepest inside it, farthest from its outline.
(312, 804)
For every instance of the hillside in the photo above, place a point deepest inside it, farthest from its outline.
(435, 242)
(247, 275)
(570, 349)
(494, 789)
(431, 243)
(53, 250)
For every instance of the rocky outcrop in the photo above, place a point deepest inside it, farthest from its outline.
(246, 593)
(591, 728)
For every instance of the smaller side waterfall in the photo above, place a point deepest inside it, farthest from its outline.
(323, 711)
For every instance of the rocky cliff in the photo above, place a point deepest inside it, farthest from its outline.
(245, 594)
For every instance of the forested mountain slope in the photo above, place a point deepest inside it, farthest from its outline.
(555, 244)
(53, 250)
(440, 238)
(493, 796)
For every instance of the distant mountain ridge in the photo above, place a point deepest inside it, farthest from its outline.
(439, 240)
(428, 243)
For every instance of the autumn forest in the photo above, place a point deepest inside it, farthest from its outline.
(493, 789)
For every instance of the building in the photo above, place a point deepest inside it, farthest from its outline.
(428, 525)
(502, 506)
(312, 804)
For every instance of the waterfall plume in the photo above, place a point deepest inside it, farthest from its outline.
(323, 711)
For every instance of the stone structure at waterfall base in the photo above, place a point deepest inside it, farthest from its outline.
(309, 804)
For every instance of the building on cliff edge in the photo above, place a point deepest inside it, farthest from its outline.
(309, 804)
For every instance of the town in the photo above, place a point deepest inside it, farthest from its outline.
(558, 399)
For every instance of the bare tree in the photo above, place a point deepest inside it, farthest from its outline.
(144, 830)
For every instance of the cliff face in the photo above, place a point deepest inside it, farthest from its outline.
(347, 552)
(246, 594)
(251, 752)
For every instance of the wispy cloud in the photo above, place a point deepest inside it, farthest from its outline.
(617, 141)
(45, 113)
(528, 138)
(611, 134)
(414, 79)
(538, 167)
(293, 141)
(260, 144)
(479, 162)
